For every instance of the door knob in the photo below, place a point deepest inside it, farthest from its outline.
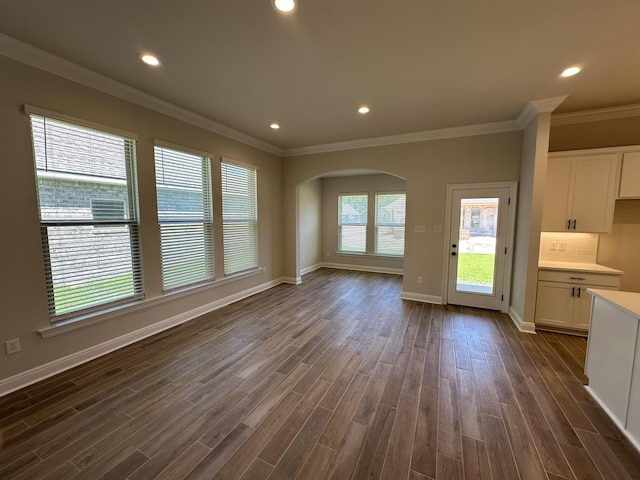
(453, 254)
(453, 245)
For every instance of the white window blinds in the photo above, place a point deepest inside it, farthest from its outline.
(390, 217)
(88, 204)
(185, 215)
(239, 217)
(352, 223)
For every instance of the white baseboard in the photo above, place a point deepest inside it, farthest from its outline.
(363, 268)
(47, 370)
(311, 268)
(420, 297)
(526, 327)
(291, 280)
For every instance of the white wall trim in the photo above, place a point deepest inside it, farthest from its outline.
(54, 367)
(292, 280)
(425, 136)
(535, 107)
(363, 268)
(525, 327)
(35, 57)
(421, 297)
(311, 268)
(596, 115)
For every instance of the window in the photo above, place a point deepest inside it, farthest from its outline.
(185, 215)
(106, 210)
(352, 223)
(89, 223)
(239, 217)
(390, 214)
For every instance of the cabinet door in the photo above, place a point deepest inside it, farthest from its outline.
(594, 193)
(630, 177)
(554, 304)
(557, 194)
(582, 312)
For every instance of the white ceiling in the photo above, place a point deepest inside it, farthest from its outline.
(420, 65)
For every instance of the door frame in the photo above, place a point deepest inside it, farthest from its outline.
(511, 226)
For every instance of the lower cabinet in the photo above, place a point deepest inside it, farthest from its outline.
(563, 301)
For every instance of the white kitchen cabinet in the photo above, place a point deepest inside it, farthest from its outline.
(630, 176)
(580, 193)
(563, 301)
(613, 358)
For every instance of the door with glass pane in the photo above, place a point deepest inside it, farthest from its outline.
(478, 246)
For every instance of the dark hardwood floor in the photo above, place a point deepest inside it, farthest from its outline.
(333, 378)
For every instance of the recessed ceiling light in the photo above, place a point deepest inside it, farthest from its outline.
(571, 71)
(363, 109)
(285, 6)
(275, 126)
(150, 59)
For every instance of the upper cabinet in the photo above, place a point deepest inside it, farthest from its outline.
(630, 178)
(580, 193)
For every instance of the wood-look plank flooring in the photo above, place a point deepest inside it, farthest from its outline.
(334, 378)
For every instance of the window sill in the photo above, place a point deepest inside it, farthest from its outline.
(369, 255)
(76, 323)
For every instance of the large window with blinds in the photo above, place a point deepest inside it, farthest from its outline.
(239, 217)
(390, 215)
(86, 181)
(352, 223)
(185, 215)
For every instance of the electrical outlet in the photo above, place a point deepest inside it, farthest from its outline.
(420, 279)
(12, 346)
(562, 246)
(554, 245)
(437, 229)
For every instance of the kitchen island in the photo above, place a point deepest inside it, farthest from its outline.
(613, 358)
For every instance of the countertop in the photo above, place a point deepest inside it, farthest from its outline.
(629, 302)
(579, 267)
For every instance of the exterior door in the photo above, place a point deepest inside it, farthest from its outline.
(478, 246)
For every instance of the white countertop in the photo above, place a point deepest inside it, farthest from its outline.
(629, 302)
(579, 267)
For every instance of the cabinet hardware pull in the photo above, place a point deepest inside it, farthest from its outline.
(579, 288)
(569, 224)
(573, 292)
(577, 278)
(574, 224)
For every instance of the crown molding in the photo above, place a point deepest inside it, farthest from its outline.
(595, 115)
(428, 135)
(35, 57)
(536, 107)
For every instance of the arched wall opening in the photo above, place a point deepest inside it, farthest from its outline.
(317, 228)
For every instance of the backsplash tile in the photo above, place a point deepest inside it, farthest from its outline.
(569, 247)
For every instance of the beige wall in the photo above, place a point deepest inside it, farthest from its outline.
(619, 249)
(23, 304)
(310, 211)
(427, 167)
(369, 184)
(606, 133)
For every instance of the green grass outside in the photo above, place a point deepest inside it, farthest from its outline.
(69, 298)
(476, 268)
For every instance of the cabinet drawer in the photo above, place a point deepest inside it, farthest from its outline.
(579, 278)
